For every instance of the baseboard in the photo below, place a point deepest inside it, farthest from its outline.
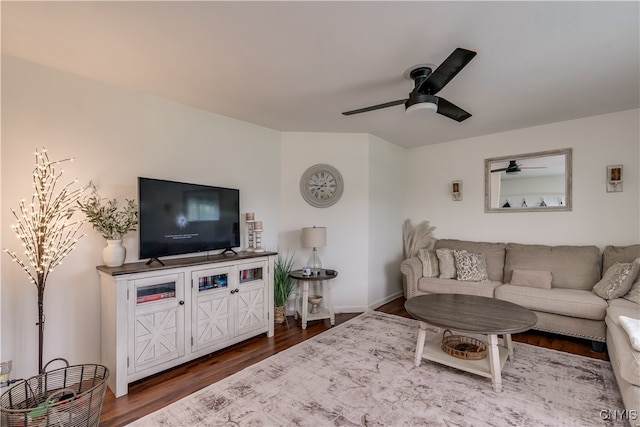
(359, 308)
(385, 300)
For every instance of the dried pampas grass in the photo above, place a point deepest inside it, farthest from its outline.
(416, 238)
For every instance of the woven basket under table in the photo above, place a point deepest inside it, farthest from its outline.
(463, 347)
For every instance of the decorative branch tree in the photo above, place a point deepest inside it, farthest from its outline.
(45, 230)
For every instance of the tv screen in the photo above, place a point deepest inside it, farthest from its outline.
(179, 218)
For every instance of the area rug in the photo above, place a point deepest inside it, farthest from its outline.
(361, 373)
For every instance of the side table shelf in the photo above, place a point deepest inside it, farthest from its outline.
(302, 306)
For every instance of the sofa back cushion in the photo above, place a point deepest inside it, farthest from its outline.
(493, 254)
(571, 267)
(613, 254)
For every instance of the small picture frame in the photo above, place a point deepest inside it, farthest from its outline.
(614, 178)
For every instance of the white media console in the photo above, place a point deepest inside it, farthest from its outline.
(155, 317)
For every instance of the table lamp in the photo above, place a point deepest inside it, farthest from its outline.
(314, 237)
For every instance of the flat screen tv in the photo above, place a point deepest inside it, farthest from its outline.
(179, 218)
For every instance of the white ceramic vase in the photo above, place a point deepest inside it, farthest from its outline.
(113, 255)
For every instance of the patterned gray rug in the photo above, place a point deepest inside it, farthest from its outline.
(361, 373)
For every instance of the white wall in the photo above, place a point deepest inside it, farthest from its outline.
(387, 177)
(598, 218)
(115, 135)
(347, 221)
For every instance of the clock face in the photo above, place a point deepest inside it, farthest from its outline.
(321, 185)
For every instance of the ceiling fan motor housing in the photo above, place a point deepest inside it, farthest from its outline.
(420, 74)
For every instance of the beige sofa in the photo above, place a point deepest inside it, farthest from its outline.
(566, 306)
(625, 360)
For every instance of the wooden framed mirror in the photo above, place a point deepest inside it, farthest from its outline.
(533, 182)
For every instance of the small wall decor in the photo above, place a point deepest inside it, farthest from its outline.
(614, 178)
(456, 190)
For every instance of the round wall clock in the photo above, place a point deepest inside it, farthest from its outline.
(321, 185)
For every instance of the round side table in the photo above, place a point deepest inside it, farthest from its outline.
(302, 296)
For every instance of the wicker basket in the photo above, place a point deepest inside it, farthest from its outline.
(462, 347)
(70, 396)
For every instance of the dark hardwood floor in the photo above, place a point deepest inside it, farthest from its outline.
(151, 394)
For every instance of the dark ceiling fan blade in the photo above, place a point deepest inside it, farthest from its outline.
(452, 111)
(375, 107)
(446, 71)
(515, 167)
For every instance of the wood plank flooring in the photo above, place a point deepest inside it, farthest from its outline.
(153, 393)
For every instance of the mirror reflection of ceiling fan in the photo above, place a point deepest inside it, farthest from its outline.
(514, 167)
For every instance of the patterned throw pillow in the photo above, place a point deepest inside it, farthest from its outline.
(429, 260)
(447, 263)
(470, 267)
(617, 280)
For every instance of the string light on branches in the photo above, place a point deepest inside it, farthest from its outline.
(45, 228)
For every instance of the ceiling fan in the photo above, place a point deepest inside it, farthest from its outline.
(514, 167)
(426, 84)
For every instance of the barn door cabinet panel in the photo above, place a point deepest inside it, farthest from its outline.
(155, 317)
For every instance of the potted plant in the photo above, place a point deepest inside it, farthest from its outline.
(283, 285)
(110, 221)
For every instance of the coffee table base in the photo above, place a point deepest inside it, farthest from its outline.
(489, 367)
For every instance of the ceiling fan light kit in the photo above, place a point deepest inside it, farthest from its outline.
(426, 84)
(421, 101)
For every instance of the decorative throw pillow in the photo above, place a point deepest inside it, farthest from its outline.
(429, 260)
(533, 278)
(634, 293)
(446, 263)
(470, 267)
(617, 280)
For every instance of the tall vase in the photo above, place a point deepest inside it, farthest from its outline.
(113, 255)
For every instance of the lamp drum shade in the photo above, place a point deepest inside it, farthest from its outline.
(314, 237)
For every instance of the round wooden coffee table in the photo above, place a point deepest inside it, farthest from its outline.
(470, 314)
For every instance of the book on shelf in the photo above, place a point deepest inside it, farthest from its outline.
(155, 297)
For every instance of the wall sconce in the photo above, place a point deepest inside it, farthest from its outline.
(614, 178)
(456, 190)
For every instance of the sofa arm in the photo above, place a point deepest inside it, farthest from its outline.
(412, 270)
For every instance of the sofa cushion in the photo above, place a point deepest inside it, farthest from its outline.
(493, 254)
(568, 302)
(446, 263)
(628, 359)
(534, 278)
(429, 262)
(617, 280)
(634, 293)
(625, 305)
(436, 285)
(571, 267)
(470, 267)
(613, 254)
